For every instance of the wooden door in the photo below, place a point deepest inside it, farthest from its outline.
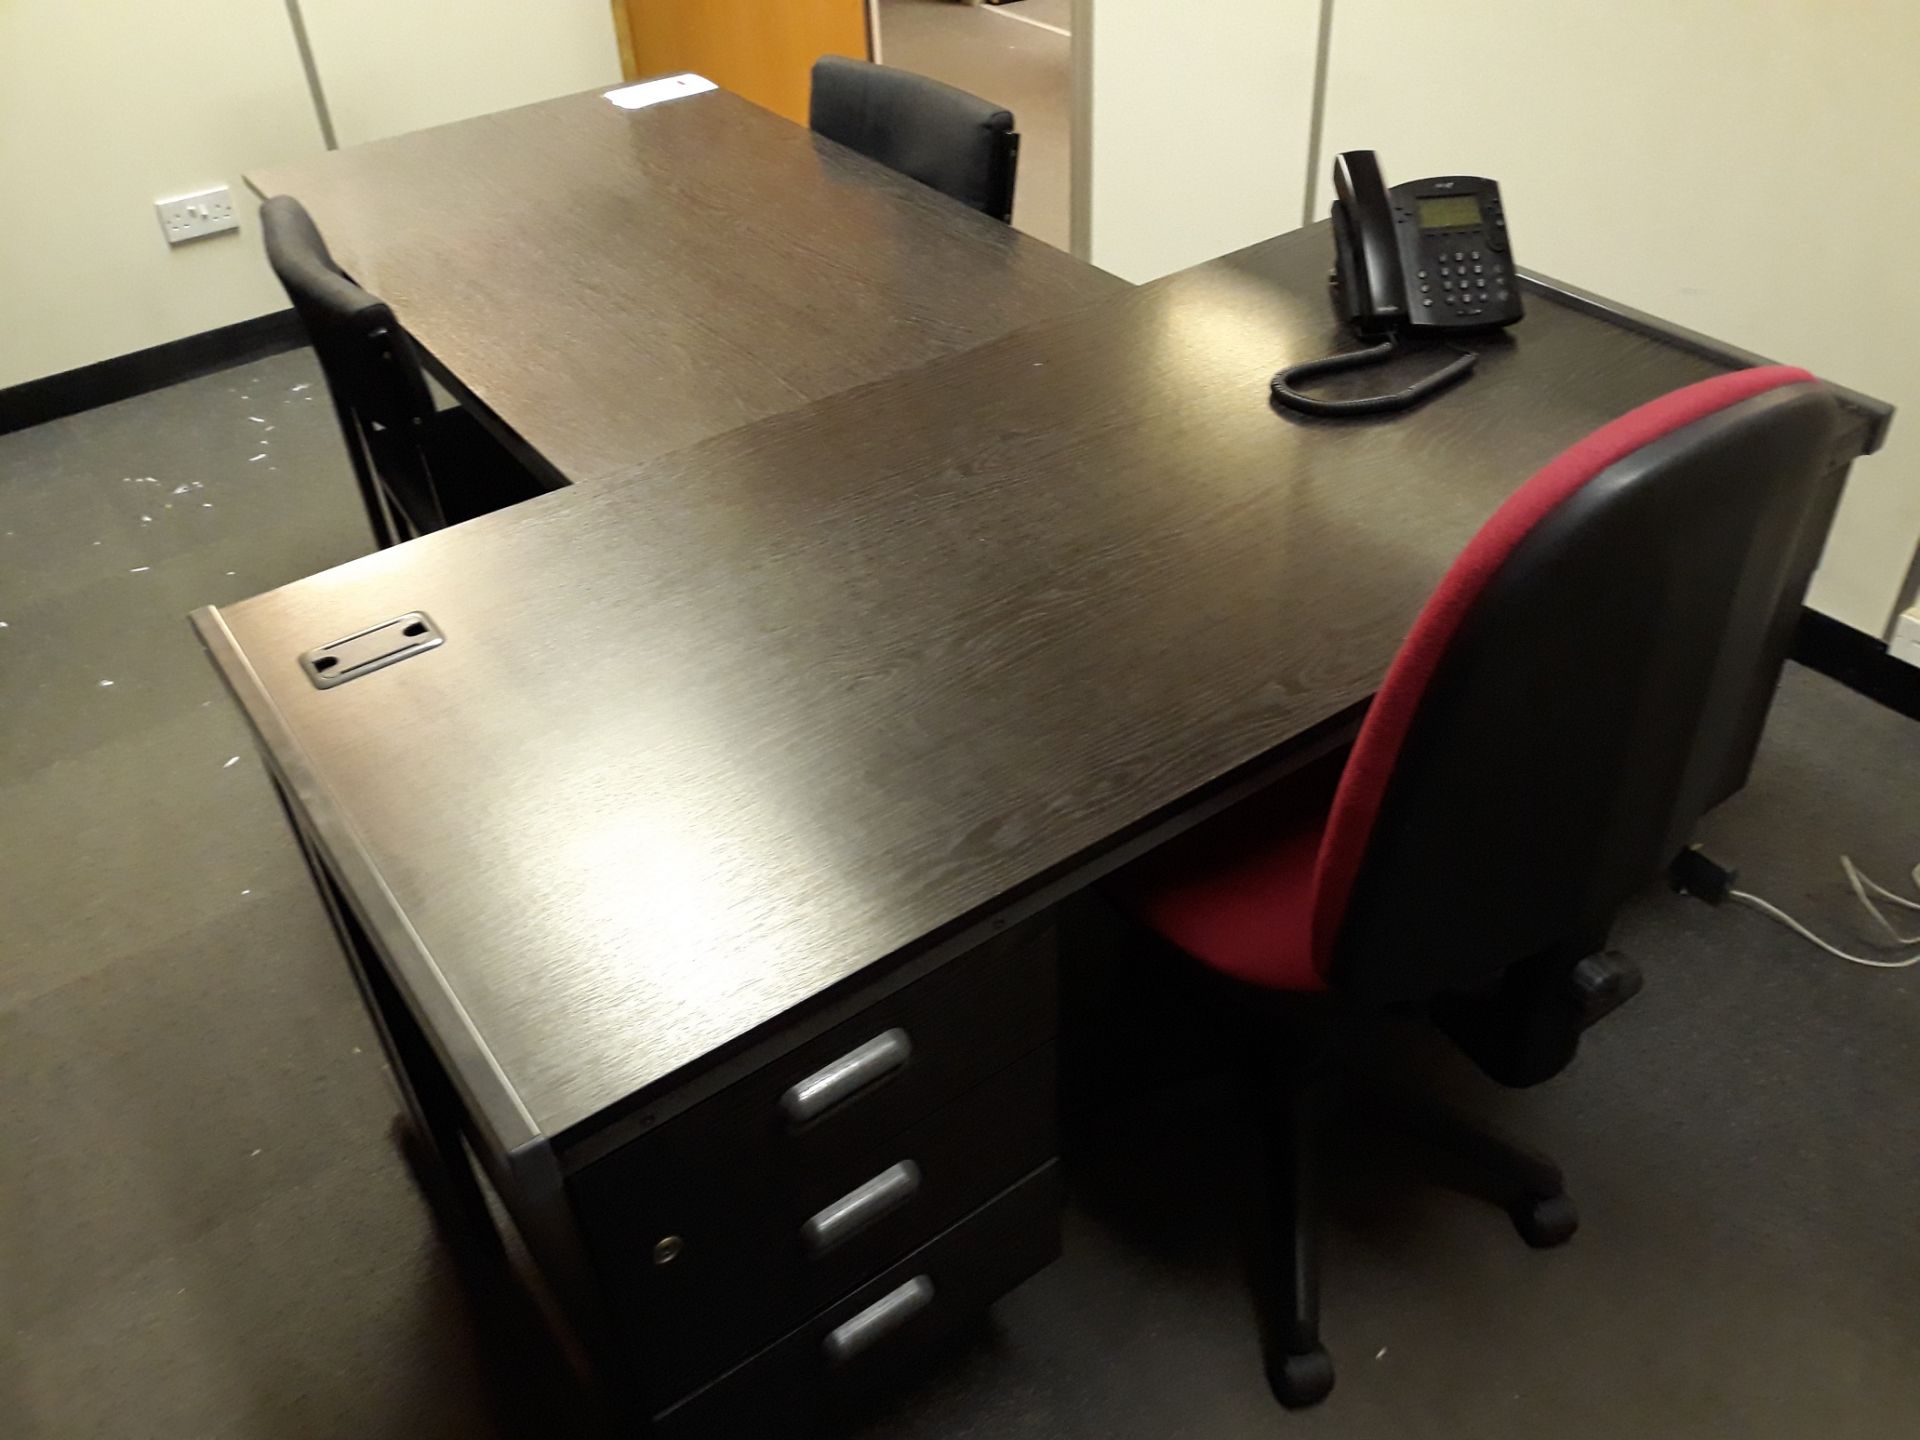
(762, 49)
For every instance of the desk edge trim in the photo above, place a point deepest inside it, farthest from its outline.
(490, 1096)
(1877, 415)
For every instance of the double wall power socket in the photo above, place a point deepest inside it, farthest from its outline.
(188, 217)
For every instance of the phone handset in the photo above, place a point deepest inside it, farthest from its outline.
(1377, 289)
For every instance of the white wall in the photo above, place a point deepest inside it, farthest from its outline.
(389, 66)
(1196, 142)
(1740, 166)
(103, 110)
(106, 108)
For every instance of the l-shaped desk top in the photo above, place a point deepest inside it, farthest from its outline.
(603, 285)
(826, 692)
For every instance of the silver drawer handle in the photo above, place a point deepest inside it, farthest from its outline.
(852, 1072)
(859, 1208)
(877, 1321)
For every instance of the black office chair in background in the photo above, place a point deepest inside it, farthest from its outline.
(419, 469)
(958, 143)
(1587, 680)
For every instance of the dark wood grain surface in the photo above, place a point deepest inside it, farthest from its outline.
(709, 740)
(615, 284)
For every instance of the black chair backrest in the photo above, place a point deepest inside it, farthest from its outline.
(362, 347)
(378, 386)
(943, 137)
(1588, 680)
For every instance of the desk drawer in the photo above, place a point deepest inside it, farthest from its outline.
(789, 1388)
(901, 1058)
(827, 1103)
(749, 1260)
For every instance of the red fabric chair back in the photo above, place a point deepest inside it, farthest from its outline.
(1588, 678)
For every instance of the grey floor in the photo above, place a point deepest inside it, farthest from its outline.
(994, 52)
(205, 1230)
(202, 1232)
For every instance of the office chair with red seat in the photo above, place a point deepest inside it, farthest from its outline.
(1588, 679)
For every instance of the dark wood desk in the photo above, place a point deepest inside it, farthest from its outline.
(780, 744)
(606, 285)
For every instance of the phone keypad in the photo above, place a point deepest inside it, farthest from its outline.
(1471, 282)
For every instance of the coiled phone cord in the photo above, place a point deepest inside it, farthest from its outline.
(1285, 381)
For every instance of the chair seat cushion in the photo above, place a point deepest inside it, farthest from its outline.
(1236, 893)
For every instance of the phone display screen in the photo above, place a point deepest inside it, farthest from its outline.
(1449, 212)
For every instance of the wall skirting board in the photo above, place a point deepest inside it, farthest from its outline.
(49, 398)
(1857, 660)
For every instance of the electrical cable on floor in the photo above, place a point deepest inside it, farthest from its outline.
(1858, 881)
(1861, 885)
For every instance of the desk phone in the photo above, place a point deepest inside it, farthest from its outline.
(1429, 254)
(1428, 258)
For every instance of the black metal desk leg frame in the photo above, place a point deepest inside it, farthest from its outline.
(432, 1138)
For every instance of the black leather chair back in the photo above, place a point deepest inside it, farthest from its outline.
(1603, 688)
(958, 143)
(371, 369)
(361, 346)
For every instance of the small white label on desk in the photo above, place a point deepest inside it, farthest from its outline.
(652, 92)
